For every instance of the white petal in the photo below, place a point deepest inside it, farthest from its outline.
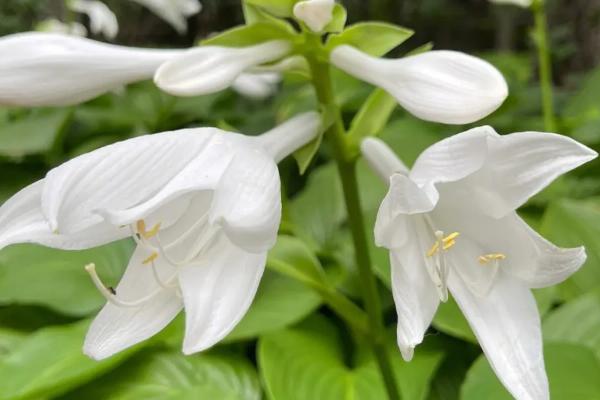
(440, 86)
(507, 325)
(315, 13)
(257, 85)
(209, 69)
(415, 296)
(381, 158)
(102, 19)
(46, 69)
(117, 328)
(174, 12)
(121, 176)
(247, 202)
(522, 164)
(22, 221)
(217, 292)
(520, 3)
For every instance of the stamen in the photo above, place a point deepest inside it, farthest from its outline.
(141, 229)
(442, 242)
(161, 283)
(150, 259)
(110, 296)
(486, 258)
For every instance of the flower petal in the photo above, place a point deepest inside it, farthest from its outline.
(217, 291)
(117, 328)
(210, 69)
(315, 13)
(102, 19)
(22, 221)
(247, 202)
(415, 296)
(174, 12)
(507, 325)
(119, 176)
(520, 165)
(59, 70)
(259, 85)
(440, 86)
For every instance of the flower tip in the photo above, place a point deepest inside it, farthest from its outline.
(407, 352)
(316, 14)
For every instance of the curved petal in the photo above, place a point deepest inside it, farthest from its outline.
(520, 165)
(440, 86)
(217, 291)
(259, 85)
(49, 69)
(102, 19)
(507, 325)
(116, 328)
(316, 14)
(415, 296)
(22, 221)
(119, 176)
(174, 12)
(247, 202)
(210, 69)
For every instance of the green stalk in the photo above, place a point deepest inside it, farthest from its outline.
(545, 65)
(346, 164)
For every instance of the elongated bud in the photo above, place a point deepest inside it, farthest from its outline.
(382, 159)
(316, 14)
(210, 69)
(440, 86)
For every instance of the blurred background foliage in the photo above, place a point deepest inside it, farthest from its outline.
(290, 346)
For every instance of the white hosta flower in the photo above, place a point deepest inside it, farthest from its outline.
(53, 25)
(450, 224)
(174, 12)
(258, 85)
(210, 69)
(520, 3)
(204, 207)
(102, 19)
(440, 86)
(46, 69)
(316, 14)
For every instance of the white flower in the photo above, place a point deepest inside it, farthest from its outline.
(257, 85)
(204, 207)
(102, 19)
(440, 86)
(174, 12)
(450, 224)
(53, 25)
(45, 69)
(520, 3)
(315, 13)
(209, 69)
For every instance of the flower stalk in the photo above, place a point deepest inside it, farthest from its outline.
(346, 165)
(545, 66)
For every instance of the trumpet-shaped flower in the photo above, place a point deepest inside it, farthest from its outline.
(46, 69)
(440, 86)
(210, 69)
(203, 206)
(316, 14)
(174, 12)
(450, 224)
(102, 19)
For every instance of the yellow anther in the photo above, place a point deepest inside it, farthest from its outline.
(447, 243)
(433, 249)
(150, 259)
(141, 229)
(451, 237)
(486, 258)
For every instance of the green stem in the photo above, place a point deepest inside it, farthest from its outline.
(346, 164)
(545, 65)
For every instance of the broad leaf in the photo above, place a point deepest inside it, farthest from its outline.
(31, 274)
(281, 8)
(248, 35)
(375, 38)
(573, 373)
(372, 117)
(338, 20)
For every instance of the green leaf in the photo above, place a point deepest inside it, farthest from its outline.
(173, 376)
(577, 321)
(280, 8)
(574, 223)
(31, 274)
(50, 362)
(254, 14)
(374, 38)
(280, 302)
(249, 35)
(34, 134)
(372, 117)
(573, 373)
(9, 340)
(309, 362)
(338, 20)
